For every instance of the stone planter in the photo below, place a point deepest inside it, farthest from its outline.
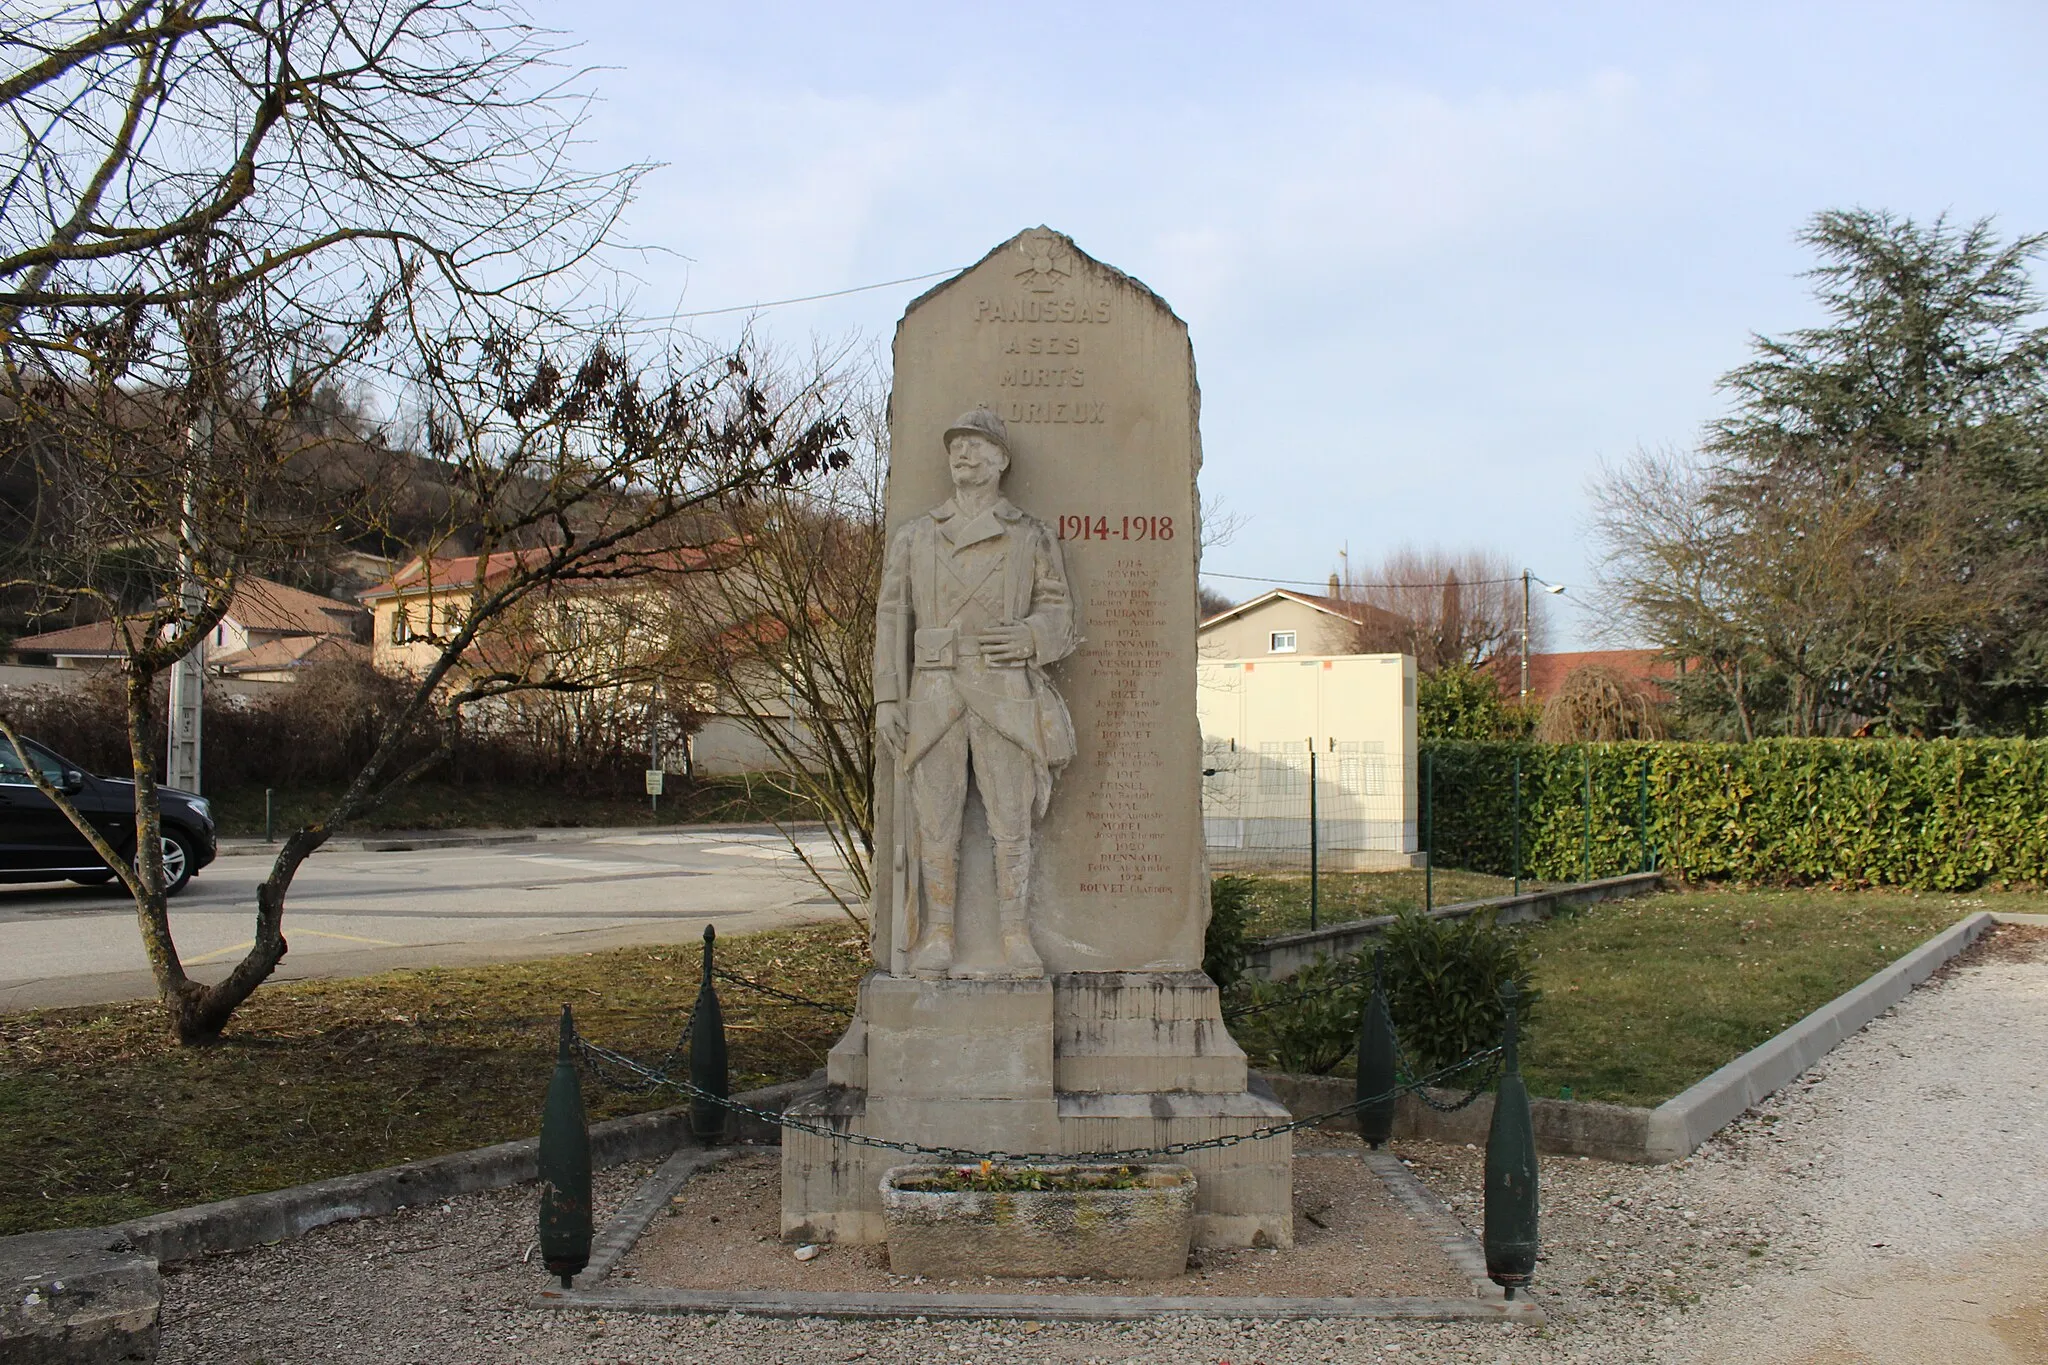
(1121, 1234)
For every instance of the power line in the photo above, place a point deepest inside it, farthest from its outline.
(813, 298)
(1342, 586)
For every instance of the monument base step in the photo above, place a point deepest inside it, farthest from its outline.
(1244, 1194)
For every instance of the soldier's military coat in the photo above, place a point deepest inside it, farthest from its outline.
(948, 577)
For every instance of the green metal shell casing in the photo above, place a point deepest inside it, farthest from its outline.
(1377, 1060)
(709, 1072)
(565, 1227)
(1510, 1236)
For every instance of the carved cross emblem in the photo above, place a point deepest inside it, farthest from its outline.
(1044, 263)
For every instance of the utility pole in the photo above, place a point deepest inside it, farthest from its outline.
(654, 782)
(1553, 589)
(1525, 637)
(188, 674)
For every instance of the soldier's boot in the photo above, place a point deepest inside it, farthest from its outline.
(934, 955)
(1013, 898)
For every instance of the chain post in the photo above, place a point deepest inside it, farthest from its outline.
(708, 1069)
(1510, 1238)
(1376, 1053)
(565, 1166)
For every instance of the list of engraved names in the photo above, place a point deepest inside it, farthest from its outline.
(1124, 660)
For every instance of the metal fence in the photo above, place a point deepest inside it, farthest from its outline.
(1310, 810)
(1289, 807)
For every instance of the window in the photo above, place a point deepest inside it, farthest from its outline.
(1283, 642)
(12, 774)
(401, 626)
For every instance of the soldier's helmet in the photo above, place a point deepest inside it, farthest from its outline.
(981, 422)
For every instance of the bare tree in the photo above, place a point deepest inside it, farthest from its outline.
(1445, 608)
(1674, 572)
(324, 148)
(1596, 704)
(214, 211)
(784, 635)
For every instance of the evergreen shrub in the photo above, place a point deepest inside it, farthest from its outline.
(1938, 815)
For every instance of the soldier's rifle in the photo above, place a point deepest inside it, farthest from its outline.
(902, 915)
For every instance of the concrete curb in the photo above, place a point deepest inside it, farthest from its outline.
(1283, 955)
(1610, 1132)
(645, 1205)
(1680, 1124)
(95, 1293)
(279, 1215)
(792, 1303)
(83, 1294)
(408, 841)
(1676, 1128)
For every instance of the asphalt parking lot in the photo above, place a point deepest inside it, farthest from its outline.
(354, 911)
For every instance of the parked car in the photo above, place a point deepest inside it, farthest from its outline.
(38, 842)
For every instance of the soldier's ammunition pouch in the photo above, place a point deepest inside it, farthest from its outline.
(937, 647)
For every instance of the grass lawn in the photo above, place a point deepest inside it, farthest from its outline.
(452, 805)
(1644, 997)
(102, 1119)
(1279, 902)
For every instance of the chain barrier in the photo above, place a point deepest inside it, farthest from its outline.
(635, 1082)
(649, 1079)
(744, 983)
(1247, 1011)
(1401, 1067)
(1401, 1063)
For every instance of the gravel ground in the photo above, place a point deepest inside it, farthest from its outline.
(1880, 1210)
(1351, 1236)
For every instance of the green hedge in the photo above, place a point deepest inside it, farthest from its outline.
(1934, 814)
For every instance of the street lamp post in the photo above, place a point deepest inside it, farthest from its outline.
(1552, 588)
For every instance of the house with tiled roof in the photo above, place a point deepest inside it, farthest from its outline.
(1648, 668)
(1284, 621)
(270, 630)
(429, 598)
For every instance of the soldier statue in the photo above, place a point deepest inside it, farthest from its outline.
(974, 606)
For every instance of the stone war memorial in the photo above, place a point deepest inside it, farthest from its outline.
(1041, 889)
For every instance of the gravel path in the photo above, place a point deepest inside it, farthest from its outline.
(1888, 1208)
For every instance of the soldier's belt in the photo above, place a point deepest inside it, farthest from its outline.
(937, 647)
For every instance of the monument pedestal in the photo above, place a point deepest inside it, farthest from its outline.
(1085, 1062)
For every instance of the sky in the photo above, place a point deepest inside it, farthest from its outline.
(1438, 261)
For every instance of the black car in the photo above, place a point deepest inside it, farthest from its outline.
(38, 843)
